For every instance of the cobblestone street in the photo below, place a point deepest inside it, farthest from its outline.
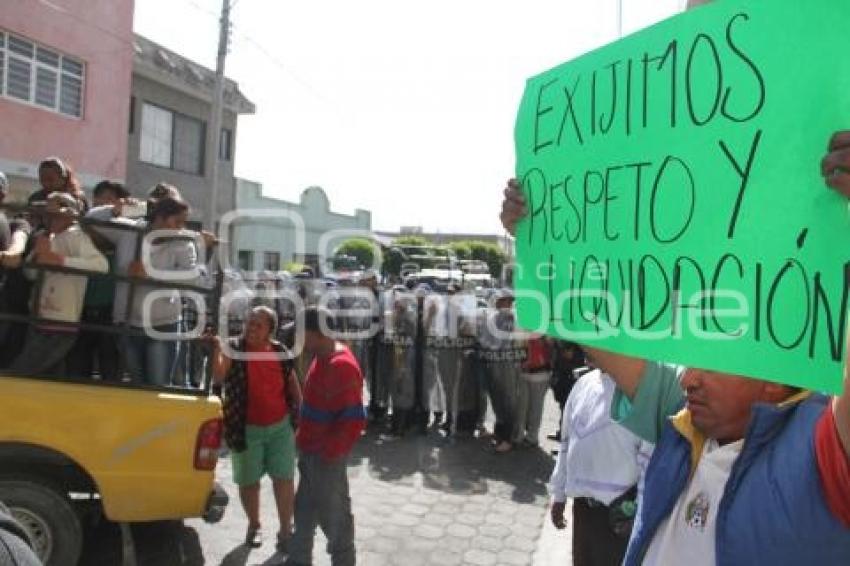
(417, 500)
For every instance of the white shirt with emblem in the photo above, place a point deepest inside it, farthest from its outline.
(687, 536)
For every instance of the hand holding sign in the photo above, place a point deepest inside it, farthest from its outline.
(672, 194)
(835, 167)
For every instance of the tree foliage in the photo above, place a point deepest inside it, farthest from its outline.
(462, 250)
(360, 248)
(489, 253)
(412, 240)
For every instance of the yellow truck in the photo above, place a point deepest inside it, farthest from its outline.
(76, 449)
(68, 449)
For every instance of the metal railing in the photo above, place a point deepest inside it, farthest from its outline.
(212, 296)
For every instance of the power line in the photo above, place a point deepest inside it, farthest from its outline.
(67, 13)
(204, 9)
(285, 68)
(274, 59)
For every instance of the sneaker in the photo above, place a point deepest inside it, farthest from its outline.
(503, 447)
(254, 537)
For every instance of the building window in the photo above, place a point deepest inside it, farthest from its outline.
(271, 261)
(40, 76)
(246, 260)
(172, 140)
(157, 126)
(189, 135)
(225, 147)
(132, 125)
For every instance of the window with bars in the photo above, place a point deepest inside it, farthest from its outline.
(40, 76)
(172, 140)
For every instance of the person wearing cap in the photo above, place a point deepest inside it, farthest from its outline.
(442, 323)
(378, 362)
(93, 345)
(59, 297)
(332, 419)
(433, 392)
(400, 336)
(500, 359)
(355, 316)
(531, 391)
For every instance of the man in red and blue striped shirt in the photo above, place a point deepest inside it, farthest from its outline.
(332, 419)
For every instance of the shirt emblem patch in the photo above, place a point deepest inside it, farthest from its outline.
(696, 514)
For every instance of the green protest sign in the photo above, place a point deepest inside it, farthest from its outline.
(676, 205)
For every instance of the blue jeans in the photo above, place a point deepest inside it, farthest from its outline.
(152, 361)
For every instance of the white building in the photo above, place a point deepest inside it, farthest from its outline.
(270, 232)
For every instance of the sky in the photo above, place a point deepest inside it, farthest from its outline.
(400, 107)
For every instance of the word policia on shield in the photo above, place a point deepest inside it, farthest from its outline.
(676, 206)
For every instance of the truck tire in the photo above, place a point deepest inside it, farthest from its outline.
(48, 518)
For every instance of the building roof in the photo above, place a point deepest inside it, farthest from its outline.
(160, 63)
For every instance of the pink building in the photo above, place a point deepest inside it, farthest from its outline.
(65, 71)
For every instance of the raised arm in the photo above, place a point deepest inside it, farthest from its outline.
(14, 255)
(835, 169)
(513, 206)
(626, 371)
(107, 213)
(87, 257)
(220, 362)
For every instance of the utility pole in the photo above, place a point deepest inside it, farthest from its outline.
(619, 19)
(214, 132)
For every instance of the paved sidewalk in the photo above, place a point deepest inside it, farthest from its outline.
(422, 500)
(417, 500)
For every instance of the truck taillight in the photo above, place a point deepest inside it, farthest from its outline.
(209, 441)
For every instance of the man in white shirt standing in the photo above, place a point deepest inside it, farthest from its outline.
(599, 461)
(60, 297)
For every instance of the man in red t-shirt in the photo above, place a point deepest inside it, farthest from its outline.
(332, 419)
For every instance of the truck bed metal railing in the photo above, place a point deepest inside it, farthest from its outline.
(213, 294)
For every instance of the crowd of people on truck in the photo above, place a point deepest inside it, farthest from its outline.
(59, 232)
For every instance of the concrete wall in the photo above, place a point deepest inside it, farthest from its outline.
(195, 188)
(323, 229)
(99, 32)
